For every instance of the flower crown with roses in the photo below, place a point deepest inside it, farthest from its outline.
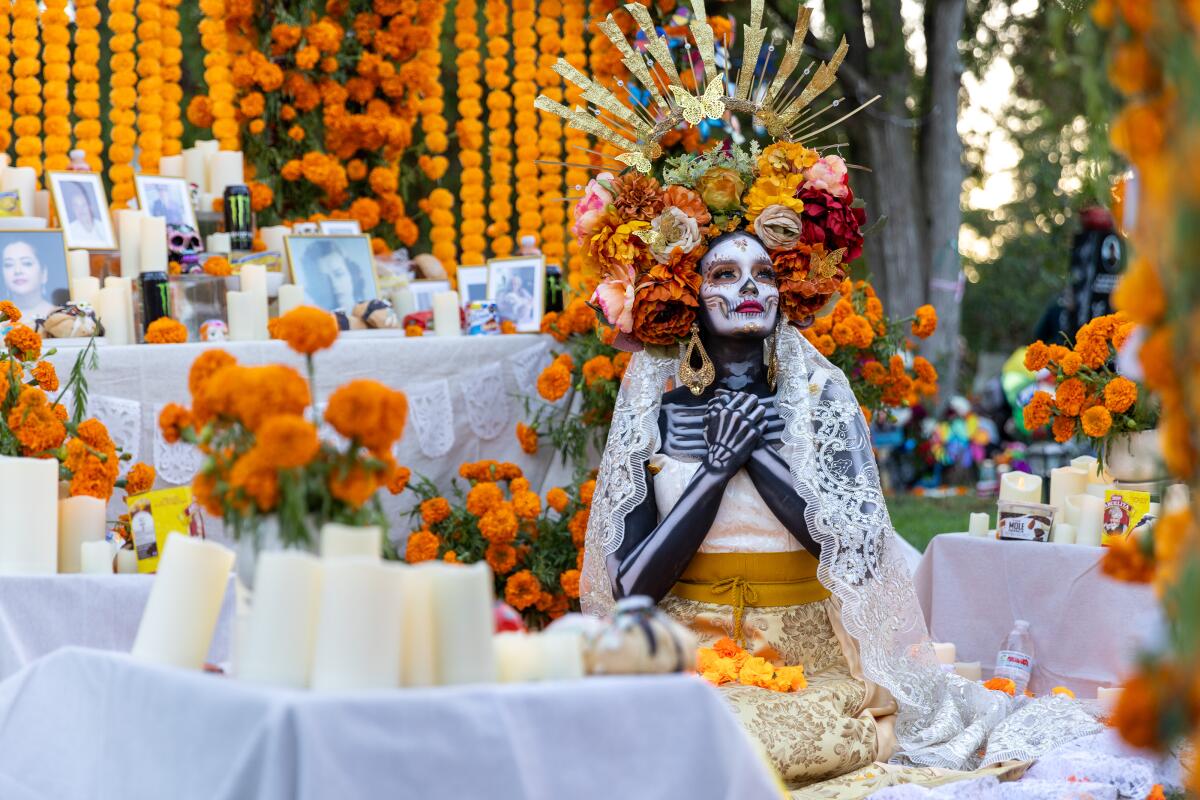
(642, 239)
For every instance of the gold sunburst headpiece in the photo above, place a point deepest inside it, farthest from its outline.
(636, 128)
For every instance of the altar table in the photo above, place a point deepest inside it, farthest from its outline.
(39, 614)
(1087, 628)
(101, 726)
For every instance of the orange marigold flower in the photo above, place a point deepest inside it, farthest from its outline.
(413, 330)
(1037, 356)
(165, 330)
(434, 510)
(599, 368)
(399, 480)
(569, 581)
(207, 364)
(554, 382)
(1057, 352)
(353, 485)
(9, 311)
(578, 527)
(528, 437)
(518, 485)
(451, 557)
(218, 266)
(1063, 428)
(23, 342)
(501, 558)
(507, 471)
(557, 499)
(287, 441)
(526, 505)
(483, 497)
(1093, 350)
(172, 420)
(522, 590)
(1070, 362)
(257, 480)
(586, 490)
(1037, 410)
(35, 424)
(924, 370)
(499, 526)
(1124, 560)
(369, 413)
(1096, 422)
(507, 326)
(422, 546)
(1120, 394)
(1069, 396)
(925, 323)
(307, 329)
(46, 377)
(854, 331)
(140, 479)
(874, 373)
(1140, 709)
(1005, 685)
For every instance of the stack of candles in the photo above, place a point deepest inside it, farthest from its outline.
(80, 524)
(247, 309)
(210, 169)
(84, 287)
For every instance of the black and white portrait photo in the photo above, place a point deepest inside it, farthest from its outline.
(518, 287)
(169, 198)
(83, 210)
(336, 272)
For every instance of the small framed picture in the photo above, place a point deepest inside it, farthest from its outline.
(340, 227)
(336, 272)
(306, 229)
(83, 210)
(423, 292)
(472, 284)
(518, 285)
(33, 271)
(169, 198)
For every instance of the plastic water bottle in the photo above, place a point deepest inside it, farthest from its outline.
(1015, 660)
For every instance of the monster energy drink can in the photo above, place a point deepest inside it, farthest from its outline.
(156, 297)
(554, 288)
(238, 223)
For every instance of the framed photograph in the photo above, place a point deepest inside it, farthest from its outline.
(336, 272)
(340, 227)
(33, 271)
(472, 284)
(83, 210)
(423, 292)
(169, 198)
(306, 229)
(518, 285)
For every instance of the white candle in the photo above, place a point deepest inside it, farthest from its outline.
(446, 319)
(1072, 510)
(84, 290)
(253, 278)
(194, 168)
(125, 285)
(110, 306)
(23, 181)
(80, 520)
(341, 541)
(1090, 527)
(152, 255)
(945, 652)
(96, 558)
(358, 630)
(281, 631)
(1099, 489)
(219, 243)
(225, 168)
(1063, 533)
(290, 296)
(29, 534)
(980, 524)
(129, 236)
(562, 655)
(518, 657)
(1108, 698)
(185, 601)
(273, 237)
(969, 670)
(404, 302)
(209, 147)
(1021, 487)
(243, 316)
(127, 561)
(1175, 498)
(1085, 463)
(41, 204)
(79, 264)
(462, 609)
(418, 656)
(171, 166)
(1065, 482)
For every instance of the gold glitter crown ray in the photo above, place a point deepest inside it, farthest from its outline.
(635, 127)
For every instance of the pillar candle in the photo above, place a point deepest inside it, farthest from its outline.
(171, 166)
(340, 541)
(253, 278)
(225, 168)
(23, 181)
(1063, 533)
(273, 237)
(242, 316)
(1085, 463)
(418, 655)
(462, 608)
(1091, 520)
(1098, 489)
(358, 638)
(95, 557)
(125, 285)
(127, 561)
(562, 655)
(80, 520)
(85, 290)
(152, 255)
(945, 652)
(185, 601)
(404, 302)
(209, 147)
(518, 657)
(218, 243)
(980, 524)
(1175, 498)
(1021, 487)
(969, 670)
(1072, 513)
(1107, 698)
(1065, 482)
(281, 631)
(29, 534)
(194, 168)
(79, 264)
(290, 296)
(446, 319)
(110, 306)
(129, 236)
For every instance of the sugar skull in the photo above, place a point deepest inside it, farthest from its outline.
(183, 244)
(214, 330)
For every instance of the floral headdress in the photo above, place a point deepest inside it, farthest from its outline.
(642, 238)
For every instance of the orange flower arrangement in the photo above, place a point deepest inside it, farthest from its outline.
(56, 72)
(122, 99)
(171, 74)
(6, 78)
(306, 329)
(45, 376)
(24, 342)
(165, 330)
(499, 104)
(85, 69)
(726, 662)
(1005, 685)
(27, 102)
(149, 88)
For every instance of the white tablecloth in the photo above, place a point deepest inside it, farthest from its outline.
(86, 724)
(40, 614)
(1087, 628)
(464, 396)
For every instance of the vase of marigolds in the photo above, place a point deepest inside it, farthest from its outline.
(266, 472)
(1093, 402)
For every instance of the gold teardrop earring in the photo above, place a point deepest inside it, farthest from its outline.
(697, 380)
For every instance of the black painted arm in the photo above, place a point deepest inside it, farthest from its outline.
(773, 479)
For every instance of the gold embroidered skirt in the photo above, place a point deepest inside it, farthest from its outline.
(773, 604)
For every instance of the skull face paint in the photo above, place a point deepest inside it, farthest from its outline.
(738, 295)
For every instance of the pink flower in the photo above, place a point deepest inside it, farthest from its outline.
(590, 207)
(828, 175)
(614, 296)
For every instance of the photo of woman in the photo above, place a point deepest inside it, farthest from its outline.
(83, 210)
(336, 272)
(33, 271)
(517, 285)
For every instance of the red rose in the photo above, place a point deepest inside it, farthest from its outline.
(831, 221)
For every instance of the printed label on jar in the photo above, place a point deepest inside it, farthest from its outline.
(1013, 665)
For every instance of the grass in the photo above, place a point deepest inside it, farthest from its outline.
(919, 519)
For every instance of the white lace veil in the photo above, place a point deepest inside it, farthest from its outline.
(944, 720)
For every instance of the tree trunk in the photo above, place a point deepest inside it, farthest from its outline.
(942, 180)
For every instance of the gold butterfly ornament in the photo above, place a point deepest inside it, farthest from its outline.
(696, 108)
